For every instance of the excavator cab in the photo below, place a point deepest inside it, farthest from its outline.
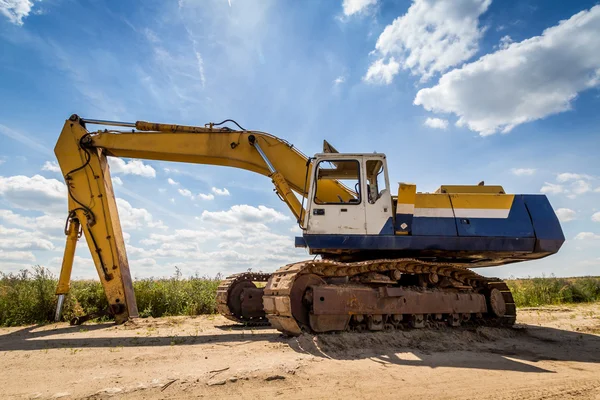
(365, 208)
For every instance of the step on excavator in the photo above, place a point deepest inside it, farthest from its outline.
(389, 257)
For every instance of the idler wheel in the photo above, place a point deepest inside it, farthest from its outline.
(299, 302)
(234, 301)
(497, 303)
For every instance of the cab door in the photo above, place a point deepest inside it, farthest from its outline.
(344, 212)
(378, 204)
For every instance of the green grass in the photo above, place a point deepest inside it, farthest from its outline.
(535, 292)
(28, 297)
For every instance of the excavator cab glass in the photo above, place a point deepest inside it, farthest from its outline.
(375, 180)
(346, 172)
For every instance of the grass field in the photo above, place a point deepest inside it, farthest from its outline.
(28, 297)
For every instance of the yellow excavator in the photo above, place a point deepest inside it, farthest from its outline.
(388, 259)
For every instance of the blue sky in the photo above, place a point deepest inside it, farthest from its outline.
(453, 92)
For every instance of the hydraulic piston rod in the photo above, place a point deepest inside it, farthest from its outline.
(64, 281)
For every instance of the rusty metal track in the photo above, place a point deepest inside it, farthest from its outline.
(224, 292)
(278, 303)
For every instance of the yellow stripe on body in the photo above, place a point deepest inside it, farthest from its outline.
(482, 205)
(482, 201)
(437, 205)
(455, 189)
(465, 205)
(406, 198)
(433, 205)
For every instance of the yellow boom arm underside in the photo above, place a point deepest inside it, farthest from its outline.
(82, 157)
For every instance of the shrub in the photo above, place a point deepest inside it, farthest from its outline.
(28, 297)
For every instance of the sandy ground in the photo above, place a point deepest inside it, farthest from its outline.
(554, 353)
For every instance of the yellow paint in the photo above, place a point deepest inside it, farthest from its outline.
(64, 280)
(427, 200)
(210, 146)
(491, 189)
(482, 201)
(284, 191)
(93, 203)
(406, 193)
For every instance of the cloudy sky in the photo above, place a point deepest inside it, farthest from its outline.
(454, 92)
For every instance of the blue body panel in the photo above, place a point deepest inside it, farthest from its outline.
(518, 223)
(388, 228)
(547, 228)
(431, 226)
(404, 219)
(531, 227)
(406, 242)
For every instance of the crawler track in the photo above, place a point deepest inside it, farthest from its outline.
(225, 297)
(278, 302)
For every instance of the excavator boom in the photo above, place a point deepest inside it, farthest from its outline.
(82, 157)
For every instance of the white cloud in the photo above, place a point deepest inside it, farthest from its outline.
(220, 192)
(551, 188)
(144, 262)
(135, 218)
(172, 182)
(381, 73)
(568, 176)
(436, 123)
(524, 82)
(116, 180)
(208, 196)
(580, 187)
(34, 193)
(523, 171)
(133, 167)
(16, 256)
(586, 236)
(186, 193)
(20, 239)
(430, 38)
(505, 41)
(570, 184)
(339, 80)
(16, 10)
(44, 224)
(51, 166)
(352, 7)
(244, 213)
(596, 217)
(565, 214)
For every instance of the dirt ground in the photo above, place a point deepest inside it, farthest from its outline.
(553, 353)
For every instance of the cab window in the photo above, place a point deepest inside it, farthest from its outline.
(347, 173)
(375, 180)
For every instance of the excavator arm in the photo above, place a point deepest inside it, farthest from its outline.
(82, 156)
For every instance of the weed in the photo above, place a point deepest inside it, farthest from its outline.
(28, 297)
(535, 292)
